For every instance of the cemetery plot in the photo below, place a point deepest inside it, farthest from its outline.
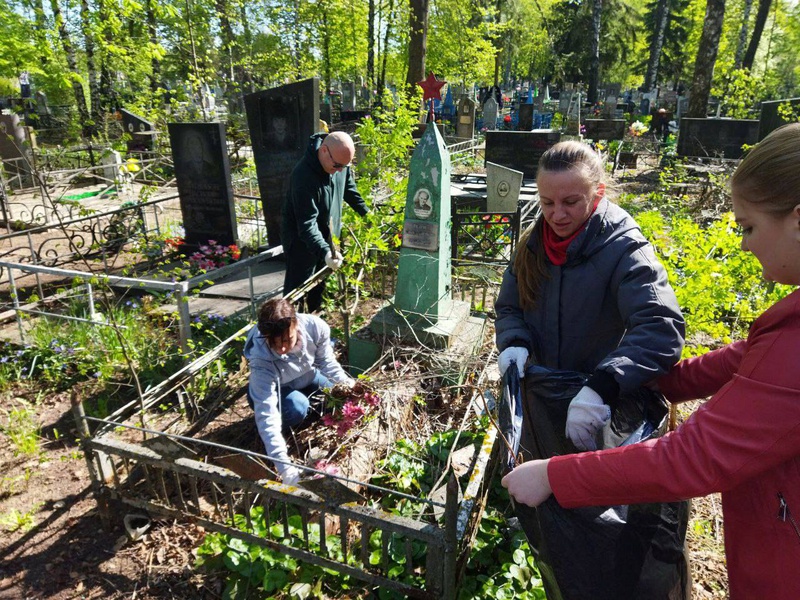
(362, 516)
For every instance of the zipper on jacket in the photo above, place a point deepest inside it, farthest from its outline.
(784, 513)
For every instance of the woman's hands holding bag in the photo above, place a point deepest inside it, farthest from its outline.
(528, 483)
(513, 354)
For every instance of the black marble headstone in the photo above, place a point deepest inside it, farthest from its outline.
(326, 113)
(520, 150)
(353, 115)
(525, 117)
(280, 120)
(203, 174)
(770, 120)
(722, 138)
(604, 129)
(142, 131)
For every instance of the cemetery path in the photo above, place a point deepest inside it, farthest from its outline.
(53, 543)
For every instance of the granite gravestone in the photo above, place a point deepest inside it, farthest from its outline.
(770, 119)
(520, 150)
(682, 106)
(203, 175)
(613, 89)
(564, 99)
(465, 122)
(16, 150)
(669, 99)
(502, 188)
(326, 112)
(280, 120)
(490, 114)
(348, 96)
(525, 117)
(722, 138)
(142, 132)
(604, 129)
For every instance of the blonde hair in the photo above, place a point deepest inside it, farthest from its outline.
(530, 266)
(769, 176)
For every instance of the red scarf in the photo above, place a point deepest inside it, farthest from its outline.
(556, 247)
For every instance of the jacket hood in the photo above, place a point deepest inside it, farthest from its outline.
(606, 224)
(311, 158)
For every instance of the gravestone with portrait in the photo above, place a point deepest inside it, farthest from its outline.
(465, 122)
(16, 151)
(770, 118)
(203, 175)
(502, 188)
(281, 121)
(142, 131)
(520, 150)
(604, 129)
(423, 309)
(490, 114)
(722, 138)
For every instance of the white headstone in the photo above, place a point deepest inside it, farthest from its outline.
(502, 188)
(111, 161)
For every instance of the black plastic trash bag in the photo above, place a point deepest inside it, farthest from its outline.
(510, 416)
(609, 552)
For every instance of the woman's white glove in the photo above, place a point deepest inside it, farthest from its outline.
(289, 475)
(334, 262)
(511, 354)
(587, 414)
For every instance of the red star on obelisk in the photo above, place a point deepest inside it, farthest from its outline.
(431, 90)
(431, 87)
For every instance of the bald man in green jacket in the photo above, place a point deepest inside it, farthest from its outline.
(320, 182)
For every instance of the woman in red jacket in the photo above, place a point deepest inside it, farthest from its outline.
(743, 442)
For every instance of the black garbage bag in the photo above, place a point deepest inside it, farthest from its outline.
(510, 417)
(603, 552)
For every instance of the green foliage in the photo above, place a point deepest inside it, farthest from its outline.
(738, 91)
(21, 428)
(15, 520)
(382, 180)
(719, 287)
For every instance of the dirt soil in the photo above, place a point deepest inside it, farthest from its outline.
(55, 546)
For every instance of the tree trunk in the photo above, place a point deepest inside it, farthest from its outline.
(72, 64)
(417, 43)
(594, 52)
(737, 61)
(706, 57)
(247, 79)
(382, 75)
(155, 64)
(108, 95)
(657, 44)
(228, 47)
(758, 29)
(326, 54)
(371, 47)
(91, 68)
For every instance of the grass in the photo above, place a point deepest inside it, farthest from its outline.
(22, 429)
(15, 520)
